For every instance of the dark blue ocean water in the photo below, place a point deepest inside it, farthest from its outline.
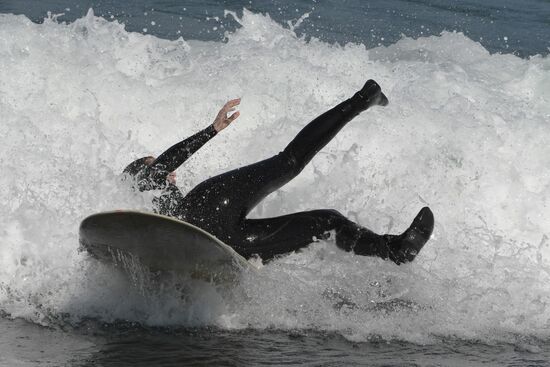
(506, 26)
(126, 344)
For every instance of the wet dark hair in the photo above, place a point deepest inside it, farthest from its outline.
(136, 166)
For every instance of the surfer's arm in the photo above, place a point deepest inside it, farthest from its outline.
(174, 157)
(178, 153)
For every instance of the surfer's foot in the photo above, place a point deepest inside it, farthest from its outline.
(405, 247)
(400, 249)
(370, 95)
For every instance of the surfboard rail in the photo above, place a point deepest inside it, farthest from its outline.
(160, 243)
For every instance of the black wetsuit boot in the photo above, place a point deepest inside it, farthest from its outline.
(405, 247)
(400, 249)
(320, 131)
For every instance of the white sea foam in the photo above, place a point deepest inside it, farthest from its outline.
(466, 133)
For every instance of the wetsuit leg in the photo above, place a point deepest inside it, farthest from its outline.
(221, 203)
(225, 200)
(269, 237)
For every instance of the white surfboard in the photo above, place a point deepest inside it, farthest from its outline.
(161, 243)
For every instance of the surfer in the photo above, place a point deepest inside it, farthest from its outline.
(220, 204)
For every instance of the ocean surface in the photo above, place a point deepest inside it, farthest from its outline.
(87, 86)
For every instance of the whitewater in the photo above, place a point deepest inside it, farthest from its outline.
(466, 133)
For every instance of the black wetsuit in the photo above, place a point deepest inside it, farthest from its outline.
(220, 204)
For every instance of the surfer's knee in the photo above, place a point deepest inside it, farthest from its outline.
(292, 165)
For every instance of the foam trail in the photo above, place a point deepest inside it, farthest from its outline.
(465, 133)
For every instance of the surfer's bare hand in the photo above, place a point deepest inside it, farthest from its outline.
(226, 115)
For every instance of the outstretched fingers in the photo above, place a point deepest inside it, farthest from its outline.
(233, 116)
(229, 107)
(232, 103)
(227, 114)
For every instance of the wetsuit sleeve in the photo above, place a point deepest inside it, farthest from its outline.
(178, 153)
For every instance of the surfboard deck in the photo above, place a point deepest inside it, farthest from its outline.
(160, 243)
